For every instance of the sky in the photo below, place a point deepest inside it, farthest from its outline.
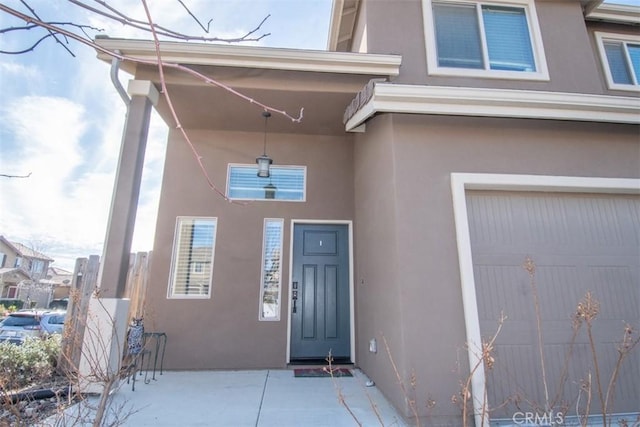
(61, 119)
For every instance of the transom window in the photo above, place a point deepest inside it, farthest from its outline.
(286, 183)
(620, 56)
(192, 262)
(499, 39)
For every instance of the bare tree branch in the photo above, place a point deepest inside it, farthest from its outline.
(15, 176)
(206, 30)
(33, 11)
(81, 27)
(26, 50)
(118, 16)
(30, 20)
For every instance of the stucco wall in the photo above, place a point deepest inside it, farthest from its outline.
(419, 299)
(224, 331)
(573, 62)
(378, 303)
(9, 255)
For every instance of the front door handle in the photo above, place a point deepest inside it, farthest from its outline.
(294, 297)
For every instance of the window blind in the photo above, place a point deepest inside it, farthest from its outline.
(457, 36)
(508, 40)
(620, 73)
(287, 183)
(193, 256)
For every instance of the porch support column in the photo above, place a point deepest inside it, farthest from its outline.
(126, 192)
(105, 330)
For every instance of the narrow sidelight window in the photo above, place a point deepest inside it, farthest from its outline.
(271, 277)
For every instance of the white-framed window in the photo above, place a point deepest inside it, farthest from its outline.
(37, 266)
(192, 261)
(620, 56)
(271, 276)
(286, 183)
(494, 39)
(198, 267)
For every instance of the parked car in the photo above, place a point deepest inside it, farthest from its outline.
(53, 322)
(59, 304)
(18, 326)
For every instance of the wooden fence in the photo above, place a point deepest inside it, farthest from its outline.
(137, 280)
(83, 287)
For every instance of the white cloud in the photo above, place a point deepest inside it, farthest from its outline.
(46, 134)
(66, 201)
(47, 129)
(13, 69)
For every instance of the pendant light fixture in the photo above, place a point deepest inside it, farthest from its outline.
(264, 161)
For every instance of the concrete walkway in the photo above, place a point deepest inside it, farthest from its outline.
(264, 398)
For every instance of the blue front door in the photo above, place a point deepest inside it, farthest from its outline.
(320, 306)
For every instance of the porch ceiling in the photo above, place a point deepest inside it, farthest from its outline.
(320, 82)
(323, 96)
(216, 109)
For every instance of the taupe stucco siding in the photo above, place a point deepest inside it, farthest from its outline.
(223, 332)
(378, 302)
(572, 59)
(422, 151)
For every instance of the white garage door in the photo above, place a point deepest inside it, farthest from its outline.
(579, 243)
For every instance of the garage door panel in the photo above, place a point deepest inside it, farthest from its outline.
(579, 243)
(617, 291)
(505, 292)
(555, 220)
(509, 379)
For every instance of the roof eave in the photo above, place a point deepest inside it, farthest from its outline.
(250, 57)
(482, 102)
(344, 14)
(616, 13)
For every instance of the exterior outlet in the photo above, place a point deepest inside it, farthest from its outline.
(373, 346)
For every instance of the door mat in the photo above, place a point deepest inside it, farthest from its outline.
(321, 373)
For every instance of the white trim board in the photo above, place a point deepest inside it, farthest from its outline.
(352, 319)
(254, 57)
(618, 13)
(484, 102)
(460, 183)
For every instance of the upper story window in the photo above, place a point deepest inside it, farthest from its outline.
(192, 262)
(37, 266)
(496, 39)
(620, 56)
(287, 183)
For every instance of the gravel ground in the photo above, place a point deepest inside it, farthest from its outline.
(32, 411)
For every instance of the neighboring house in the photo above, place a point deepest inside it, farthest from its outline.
(61, 280)
(32, 265)
(17, 255)
(10, 278)
(446, 143)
